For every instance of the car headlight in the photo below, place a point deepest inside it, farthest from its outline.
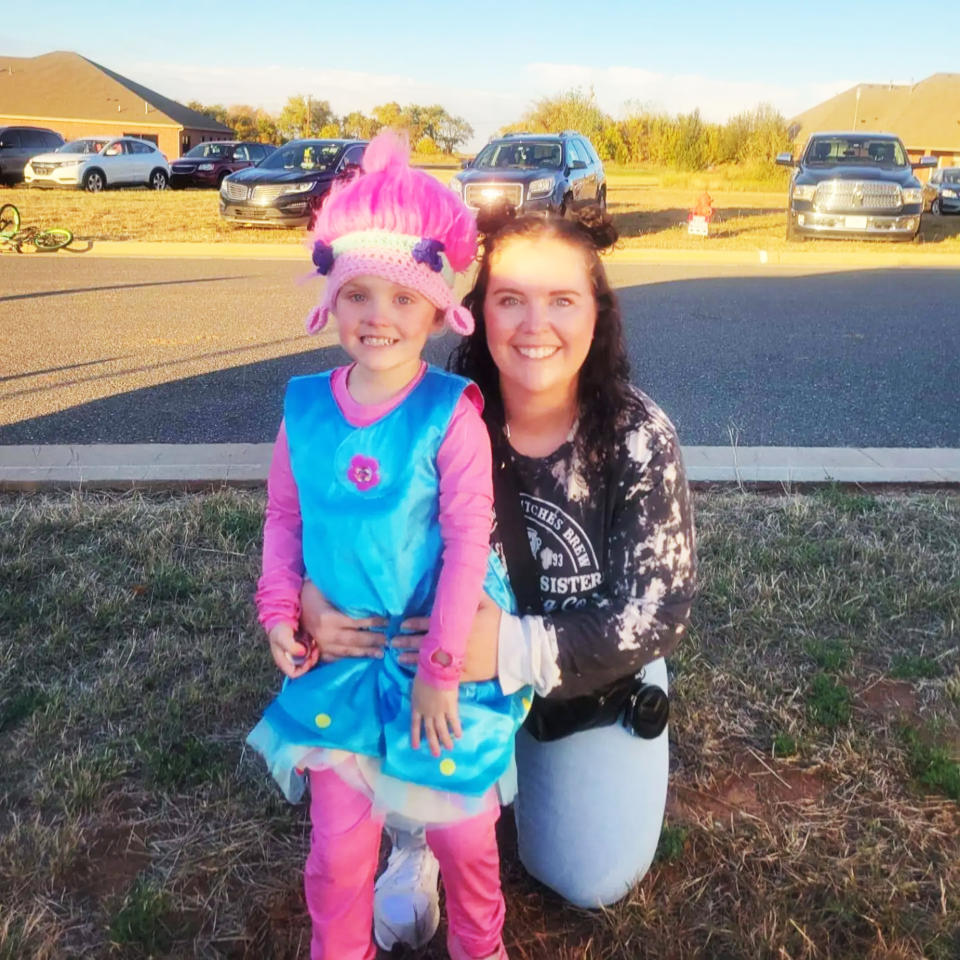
(804, 191)
(912, 195)
(540, 188)
(205, 166)
(456, 186)
(297, 187)
(948, 193)
(67, 164)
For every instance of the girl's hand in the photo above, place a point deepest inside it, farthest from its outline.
(334, 634)
(293, 656)
(480, 662)
(438, 713)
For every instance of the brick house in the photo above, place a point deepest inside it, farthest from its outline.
(925, 115)
(77, 97)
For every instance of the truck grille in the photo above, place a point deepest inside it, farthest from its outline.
(484, 194)
(857, 195)
(236, 191)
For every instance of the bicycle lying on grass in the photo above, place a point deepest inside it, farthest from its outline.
(12, 237)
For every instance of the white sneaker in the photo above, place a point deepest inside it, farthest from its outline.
(406, 907)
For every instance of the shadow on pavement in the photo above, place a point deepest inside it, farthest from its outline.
(114, 286)
(854, 358)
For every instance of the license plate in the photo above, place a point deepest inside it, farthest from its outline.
(855, 223)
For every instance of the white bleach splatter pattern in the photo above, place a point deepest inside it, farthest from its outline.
(615, 554)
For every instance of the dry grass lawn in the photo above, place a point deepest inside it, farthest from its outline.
(814, 810)
(650, 208)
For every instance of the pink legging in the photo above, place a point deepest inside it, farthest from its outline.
(338, 877)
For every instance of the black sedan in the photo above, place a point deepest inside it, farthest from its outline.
(288, 187)
(943, 191)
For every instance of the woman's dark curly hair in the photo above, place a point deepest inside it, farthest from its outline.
(606, 402)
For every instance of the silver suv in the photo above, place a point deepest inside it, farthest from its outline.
(19, 144)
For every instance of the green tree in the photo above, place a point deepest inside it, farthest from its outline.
(304, 116)
(451, 132)
(573, 110)
(215, 111)
(243, 120)
(359, 126)
(267, 127)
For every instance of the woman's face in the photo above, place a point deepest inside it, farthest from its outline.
(540, 314)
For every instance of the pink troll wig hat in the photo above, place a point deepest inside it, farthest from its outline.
(396, 223)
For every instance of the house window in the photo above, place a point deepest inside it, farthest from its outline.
(185, 142)
(152, 137)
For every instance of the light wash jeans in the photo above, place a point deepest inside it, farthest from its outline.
(589, 808)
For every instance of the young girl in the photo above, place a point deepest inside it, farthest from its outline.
(380, 492)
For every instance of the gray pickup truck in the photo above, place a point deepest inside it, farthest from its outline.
(854, 185)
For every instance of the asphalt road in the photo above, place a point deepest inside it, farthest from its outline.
(133, 351)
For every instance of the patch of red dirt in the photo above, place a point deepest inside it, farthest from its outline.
(114, 857)
(755, 786)
(886, 696)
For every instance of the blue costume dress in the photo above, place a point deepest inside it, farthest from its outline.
(369, 502)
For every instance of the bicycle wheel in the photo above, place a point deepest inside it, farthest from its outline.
(9, 220)
(56, 238)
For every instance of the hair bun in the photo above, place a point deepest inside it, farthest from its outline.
(491, 220)
(598, 226)
(387, 149)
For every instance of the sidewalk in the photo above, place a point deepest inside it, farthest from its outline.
(840, 260)
(128, 465)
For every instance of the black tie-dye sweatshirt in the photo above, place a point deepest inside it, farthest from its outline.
(616, 559)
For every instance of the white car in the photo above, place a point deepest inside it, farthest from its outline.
(95, 163)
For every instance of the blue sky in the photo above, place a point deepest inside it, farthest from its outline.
(488, 60)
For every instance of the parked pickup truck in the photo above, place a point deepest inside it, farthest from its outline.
(854, 185)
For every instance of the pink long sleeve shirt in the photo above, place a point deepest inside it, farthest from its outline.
(466, 501)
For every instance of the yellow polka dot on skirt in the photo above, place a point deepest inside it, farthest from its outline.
(526, 703)
(322, 720)
(447, 767)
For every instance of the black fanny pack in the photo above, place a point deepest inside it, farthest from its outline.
(642, 708)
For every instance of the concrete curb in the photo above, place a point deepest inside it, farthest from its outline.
(129, 465)
(841, 260)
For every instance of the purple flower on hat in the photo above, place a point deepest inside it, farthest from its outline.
(428, 251)
(322, 257)
(364, 472)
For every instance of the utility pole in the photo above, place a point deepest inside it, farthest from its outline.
(309, 133)
(856, 109)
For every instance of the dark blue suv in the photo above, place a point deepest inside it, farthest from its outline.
(535, 173)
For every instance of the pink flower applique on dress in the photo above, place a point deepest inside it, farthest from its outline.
(364, 472)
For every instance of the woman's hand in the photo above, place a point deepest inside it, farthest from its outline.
(292, 655)
(334, 634)
(480, 662)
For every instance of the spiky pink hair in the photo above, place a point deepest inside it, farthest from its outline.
(392, 196)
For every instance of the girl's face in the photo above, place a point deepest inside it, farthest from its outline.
(383, 325)
(540, 314)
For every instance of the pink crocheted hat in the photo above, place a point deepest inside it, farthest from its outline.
(396, 223)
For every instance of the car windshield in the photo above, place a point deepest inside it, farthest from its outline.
(83, 146)
(951, 176)
(308, 155)
(857, 150)
(218, 151)
(528, 155)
